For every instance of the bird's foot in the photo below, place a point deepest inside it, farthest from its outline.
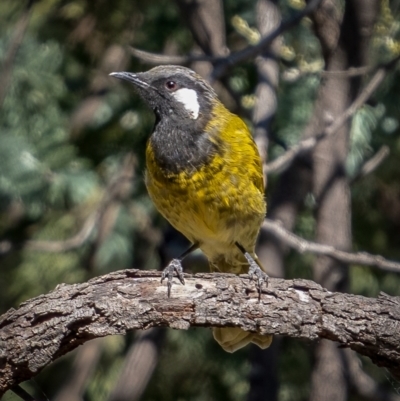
(256, 273)
(168, 273)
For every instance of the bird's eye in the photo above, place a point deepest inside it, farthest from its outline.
(171, 85)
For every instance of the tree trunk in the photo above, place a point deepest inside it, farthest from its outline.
(331, 187)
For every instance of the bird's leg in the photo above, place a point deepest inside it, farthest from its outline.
(168, 273)
(255, 271)
(176, 266)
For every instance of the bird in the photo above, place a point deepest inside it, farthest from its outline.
(204, 175)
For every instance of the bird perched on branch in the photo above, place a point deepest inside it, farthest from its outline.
(204, 175)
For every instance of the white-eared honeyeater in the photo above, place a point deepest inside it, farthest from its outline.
(204, 175)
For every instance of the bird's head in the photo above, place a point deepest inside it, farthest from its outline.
(173, 92)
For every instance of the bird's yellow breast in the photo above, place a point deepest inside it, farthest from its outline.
(219, 202)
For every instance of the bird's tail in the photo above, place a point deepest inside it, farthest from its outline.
(232, 339)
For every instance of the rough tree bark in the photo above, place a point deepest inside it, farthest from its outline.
(46, 327)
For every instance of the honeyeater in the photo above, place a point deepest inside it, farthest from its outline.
(205, 177)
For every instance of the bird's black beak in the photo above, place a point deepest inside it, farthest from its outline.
(133, 78)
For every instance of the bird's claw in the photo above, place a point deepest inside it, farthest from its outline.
(168, 273)
(256, 274)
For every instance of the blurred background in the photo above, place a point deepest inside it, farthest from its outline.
(73, 203)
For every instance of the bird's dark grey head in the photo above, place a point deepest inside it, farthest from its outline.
(173, 91)
(183, 103)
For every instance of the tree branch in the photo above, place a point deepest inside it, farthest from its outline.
(301, 245)
(71, 243)
(372, 164)
(156, 58)
(364, 384)
(285, 159)
(48, 326)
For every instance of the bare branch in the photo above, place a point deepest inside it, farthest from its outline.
(349, 73)
(284, 160)
(301, 245)
(54, 324)
(293, 74)
(372, 164)
(155, 58)
(69, 244)
(364, 384)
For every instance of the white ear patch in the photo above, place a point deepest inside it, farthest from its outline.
(188, 97)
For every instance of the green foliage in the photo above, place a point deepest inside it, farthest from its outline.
(363, 124)
(295, 105)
